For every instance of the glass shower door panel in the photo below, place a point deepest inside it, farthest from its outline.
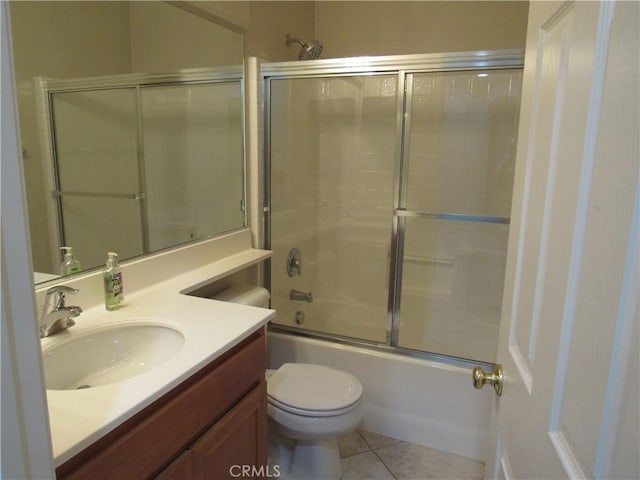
(452, 280)
(97, 141)
(462, 143)
(193, 168)
(333, 143)
(461, 156)
(96, 160)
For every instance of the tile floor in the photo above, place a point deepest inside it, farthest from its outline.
(368, 456)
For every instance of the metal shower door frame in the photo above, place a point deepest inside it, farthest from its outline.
(404, 66)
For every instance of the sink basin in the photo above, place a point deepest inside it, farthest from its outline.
(108, 355)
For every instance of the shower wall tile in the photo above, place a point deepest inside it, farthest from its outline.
(463, 132)
(372, 87)
(379, 112)
(477, 284)
(373, 180)
(96, 140)
(427, 144)
(427, 277)
(452, 287)
(428, 323)
(378, 142)
(374, 161)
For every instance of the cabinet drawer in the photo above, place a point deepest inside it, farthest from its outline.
(144, 444)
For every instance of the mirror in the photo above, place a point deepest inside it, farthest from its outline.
(144, 164)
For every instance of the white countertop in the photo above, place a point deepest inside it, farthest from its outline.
(80, 417)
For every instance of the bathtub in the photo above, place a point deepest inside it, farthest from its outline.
(412, 399)
(336, 316)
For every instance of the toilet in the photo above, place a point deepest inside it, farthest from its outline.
(308, 406)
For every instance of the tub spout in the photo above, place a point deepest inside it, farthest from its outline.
(298, 295)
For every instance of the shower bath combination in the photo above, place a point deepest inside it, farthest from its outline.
(310, 51)
(407, 270)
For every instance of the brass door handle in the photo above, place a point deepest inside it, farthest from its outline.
(495, 378)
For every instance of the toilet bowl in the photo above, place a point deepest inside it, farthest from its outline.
(308, 406)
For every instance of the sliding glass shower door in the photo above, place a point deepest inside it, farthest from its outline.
(333, 143)
(97, 172)
(396, 188)
(459, 151)
(191, 135)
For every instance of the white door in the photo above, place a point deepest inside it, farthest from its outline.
(569, 335)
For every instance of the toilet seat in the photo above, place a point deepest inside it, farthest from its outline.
(313, 390)
(311, 413)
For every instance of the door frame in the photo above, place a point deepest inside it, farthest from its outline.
(26, 437)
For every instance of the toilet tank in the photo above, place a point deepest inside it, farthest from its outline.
(245, 295)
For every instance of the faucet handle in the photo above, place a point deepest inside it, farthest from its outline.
(294, 263)
(60, 291)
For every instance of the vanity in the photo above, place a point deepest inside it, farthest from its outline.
(200, 429)
(199, 407)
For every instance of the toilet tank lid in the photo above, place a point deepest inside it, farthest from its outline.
(313, 387)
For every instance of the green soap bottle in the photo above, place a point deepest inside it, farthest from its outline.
(70, 264)
(112, 276)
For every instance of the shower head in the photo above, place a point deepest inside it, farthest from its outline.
(310, 51)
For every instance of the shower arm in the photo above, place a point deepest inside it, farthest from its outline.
(289, 40)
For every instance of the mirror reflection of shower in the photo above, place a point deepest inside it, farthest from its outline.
(310, 51)
(160, 161)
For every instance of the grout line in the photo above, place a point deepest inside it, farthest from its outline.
(358, 453)
(364, 439)
(395, 440)
(355, 454)
(385, 465)
(376, 454)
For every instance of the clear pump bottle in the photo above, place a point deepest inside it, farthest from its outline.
(70, 264)
(112, 276)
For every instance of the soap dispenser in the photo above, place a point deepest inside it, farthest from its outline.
(112, 276)
(70, 264)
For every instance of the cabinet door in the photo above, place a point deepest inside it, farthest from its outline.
(236, 442)
(180, 469)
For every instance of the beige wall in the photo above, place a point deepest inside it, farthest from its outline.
(165, 39)
(397, 28)
(384, 28)
(234, 14)
(270, 21)
(49, 38)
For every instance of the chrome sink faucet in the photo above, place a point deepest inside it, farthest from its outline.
(56, 316)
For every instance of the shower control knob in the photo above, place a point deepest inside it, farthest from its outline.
(495, 378)
(294, 263)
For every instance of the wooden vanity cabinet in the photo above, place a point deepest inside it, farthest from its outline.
(180, 469)
(233, 442)
(199, 430)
